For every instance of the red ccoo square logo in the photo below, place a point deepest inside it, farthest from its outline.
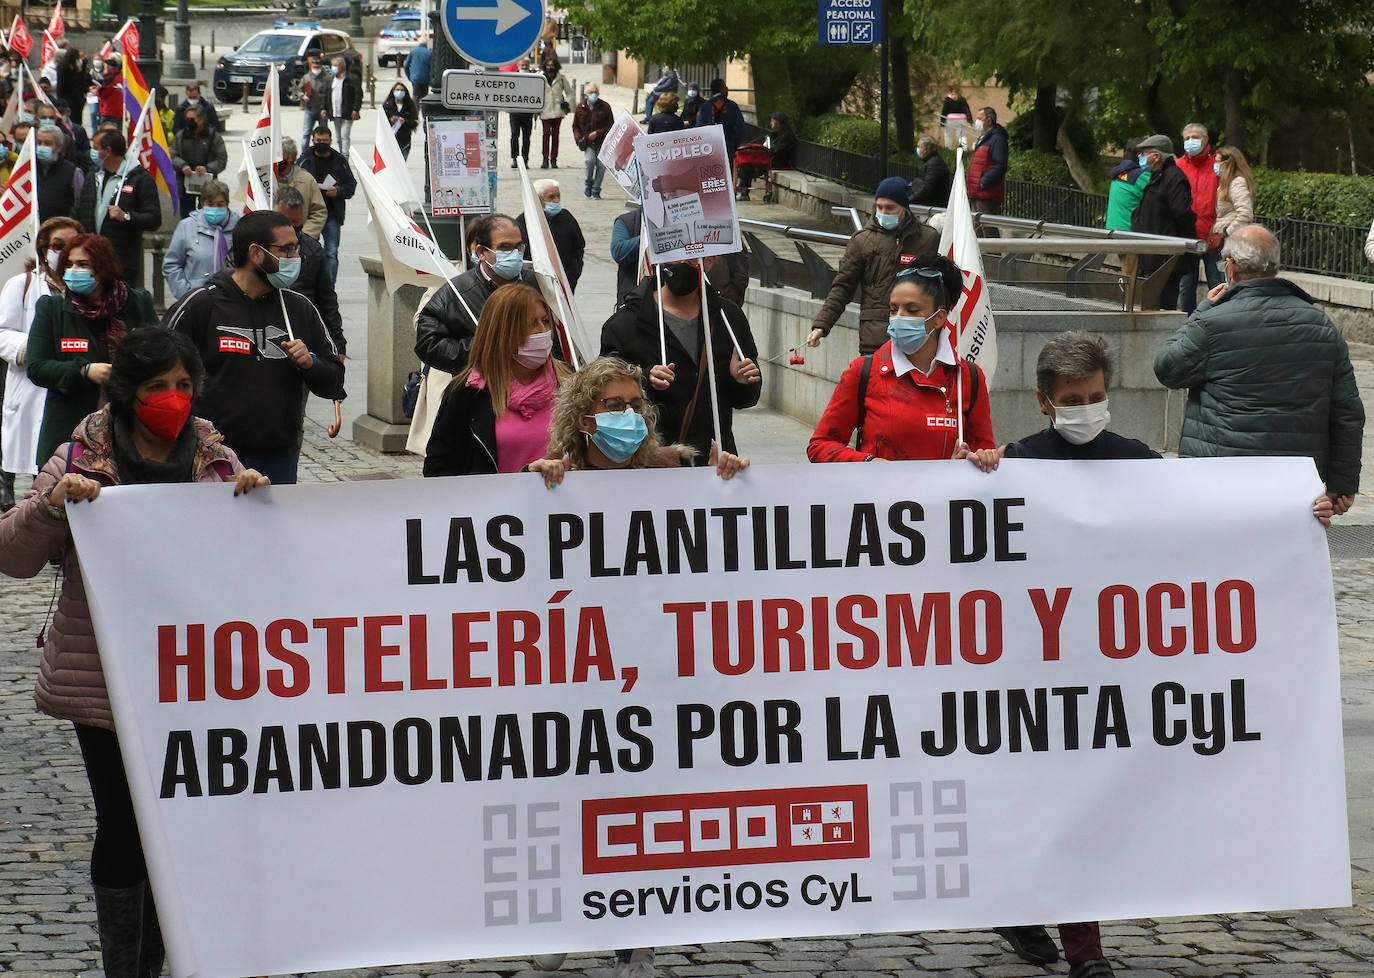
(234, 344)
(722, 828)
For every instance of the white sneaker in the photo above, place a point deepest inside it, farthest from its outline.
(640, 965)
(548, 962)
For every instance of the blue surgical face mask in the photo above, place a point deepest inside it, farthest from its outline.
(919, 154)
(592, 97)
(79, 280)
(45, 154)
(888, 221)
(288, 270)
(619, 434)
(553, 208)
(1192, 146)
(1216, 168)
(908, 333)
(95, 155)
(1144, 161)
(27, 118)
(334, 69)
(508, 263)
(216, 215)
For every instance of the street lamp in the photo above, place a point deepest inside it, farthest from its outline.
(180, 66)
(149, 44)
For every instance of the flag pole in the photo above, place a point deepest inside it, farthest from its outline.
(662, 334)
(710, 358)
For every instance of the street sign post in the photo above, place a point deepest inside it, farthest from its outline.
(492, 33)
(850, 21)
(511, 91)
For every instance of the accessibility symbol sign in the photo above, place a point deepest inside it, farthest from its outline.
(492, 33)
(850, 21)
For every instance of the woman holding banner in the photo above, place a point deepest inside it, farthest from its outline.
(145, 434)
(913, 398)
(495, 414)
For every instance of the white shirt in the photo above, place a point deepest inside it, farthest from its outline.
(337, 108)
(944, 353)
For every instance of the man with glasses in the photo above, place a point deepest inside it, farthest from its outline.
(448, 320)
(264, 347)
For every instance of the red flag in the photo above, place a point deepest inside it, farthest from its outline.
(128, 38)
(20, 38)
(49, 50)
(57, 26)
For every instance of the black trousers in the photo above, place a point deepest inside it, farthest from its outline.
(117, 856)
(521, 125)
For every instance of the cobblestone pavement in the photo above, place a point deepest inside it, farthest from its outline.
(47, 921)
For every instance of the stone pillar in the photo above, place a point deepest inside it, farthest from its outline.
(390, 358)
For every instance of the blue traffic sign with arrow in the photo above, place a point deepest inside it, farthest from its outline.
(493, 32)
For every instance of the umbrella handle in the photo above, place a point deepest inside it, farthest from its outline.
(338, 421)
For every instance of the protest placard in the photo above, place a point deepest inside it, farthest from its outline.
(618, 153)
(688, 194)
(406, 721)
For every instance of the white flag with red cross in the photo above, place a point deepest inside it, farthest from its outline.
(975, 332)
(19, 213)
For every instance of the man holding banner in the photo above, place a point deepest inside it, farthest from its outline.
(119, 201)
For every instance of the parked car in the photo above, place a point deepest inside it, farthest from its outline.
(401, 33)
(288, 45)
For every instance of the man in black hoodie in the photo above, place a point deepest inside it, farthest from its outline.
(264, 347)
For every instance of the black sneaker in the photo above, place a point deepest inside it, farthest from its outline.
(1094, 968)
(1031, 942)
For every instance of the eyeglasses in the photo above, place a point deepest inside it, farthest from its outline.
(618, 404)
(925, 271)
(287, 250)
(518, 246)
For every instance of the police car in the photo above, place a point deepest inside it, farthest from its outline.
(401, 33)
(288, 45)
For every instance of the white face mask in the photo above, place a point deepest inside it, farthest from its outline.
(978, 124)
(1081, 423)
(54, 256)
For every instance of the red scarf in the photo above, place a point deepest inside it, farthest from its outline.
(109, 307)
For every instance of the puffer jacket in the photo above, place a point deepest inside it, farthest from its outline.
(1267, 374)
(872, 260)
(71, 684)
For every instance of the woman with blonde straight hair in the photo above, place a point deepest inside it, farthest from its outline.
(495, 414)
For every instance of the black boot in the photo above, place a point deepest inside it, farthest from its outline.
(151, 950)
(119, 919)
(6, 491)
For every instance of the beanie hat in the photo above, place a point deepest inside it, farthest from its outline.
(896, 189)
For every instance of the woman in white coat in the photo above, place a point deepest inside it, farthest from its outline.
(23, 406)
(558, 93)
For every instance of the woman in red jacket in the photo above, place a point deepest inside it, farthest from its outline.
(902, 399)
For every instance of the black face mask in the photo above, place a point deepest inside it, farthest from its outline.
(682, 280)
(321, 149)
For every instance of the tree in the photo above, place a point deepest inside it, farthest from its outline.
(793, 71)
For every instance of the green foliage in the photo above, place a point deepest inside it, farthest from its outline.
(855, 134)
(1324, 197)
(1033, 167)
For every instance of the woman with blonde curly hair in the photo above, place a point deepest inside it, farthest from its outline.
(603, 421)
(495, 414)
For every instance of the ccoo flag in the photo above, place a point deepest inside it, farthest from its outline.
(19, 213)
(408, 255)
(974, 330)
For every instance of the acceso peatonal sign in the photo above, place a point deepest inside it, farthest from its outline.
(513, 91)
(493, 33)
(850, 21)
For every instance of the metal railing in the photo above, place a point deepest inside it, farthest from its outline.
(1312, 247)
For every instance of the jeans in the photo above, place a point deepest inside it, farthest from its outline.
(329, 238)
(649, 101)
(281, 469)
(596, 172)
(343, 134)
(312, 119)
(1187, 283)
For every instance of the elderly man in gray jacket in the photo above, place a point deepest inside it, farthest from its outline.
(1267, 372)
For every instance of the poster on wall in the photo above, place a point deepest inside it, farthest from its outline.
(462, 164)
(689, 198)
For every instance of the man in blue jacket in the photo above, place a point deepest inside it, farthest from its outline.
(722, 111)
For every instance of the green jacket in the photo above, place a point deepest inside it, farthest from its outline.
(1267, 374)
(56, 364)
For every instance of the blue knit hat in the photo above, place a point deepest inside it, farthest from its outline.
(894, 188)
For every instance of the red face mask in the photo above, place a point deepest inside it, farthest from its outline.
(165, 413)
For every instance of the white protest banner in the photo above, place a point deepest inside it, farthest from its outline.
(618, 153)
(462, 164)
(264, 142)
(689, 197)
(971, 314)
(250, 184)
(19, 213)
(656, 707)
